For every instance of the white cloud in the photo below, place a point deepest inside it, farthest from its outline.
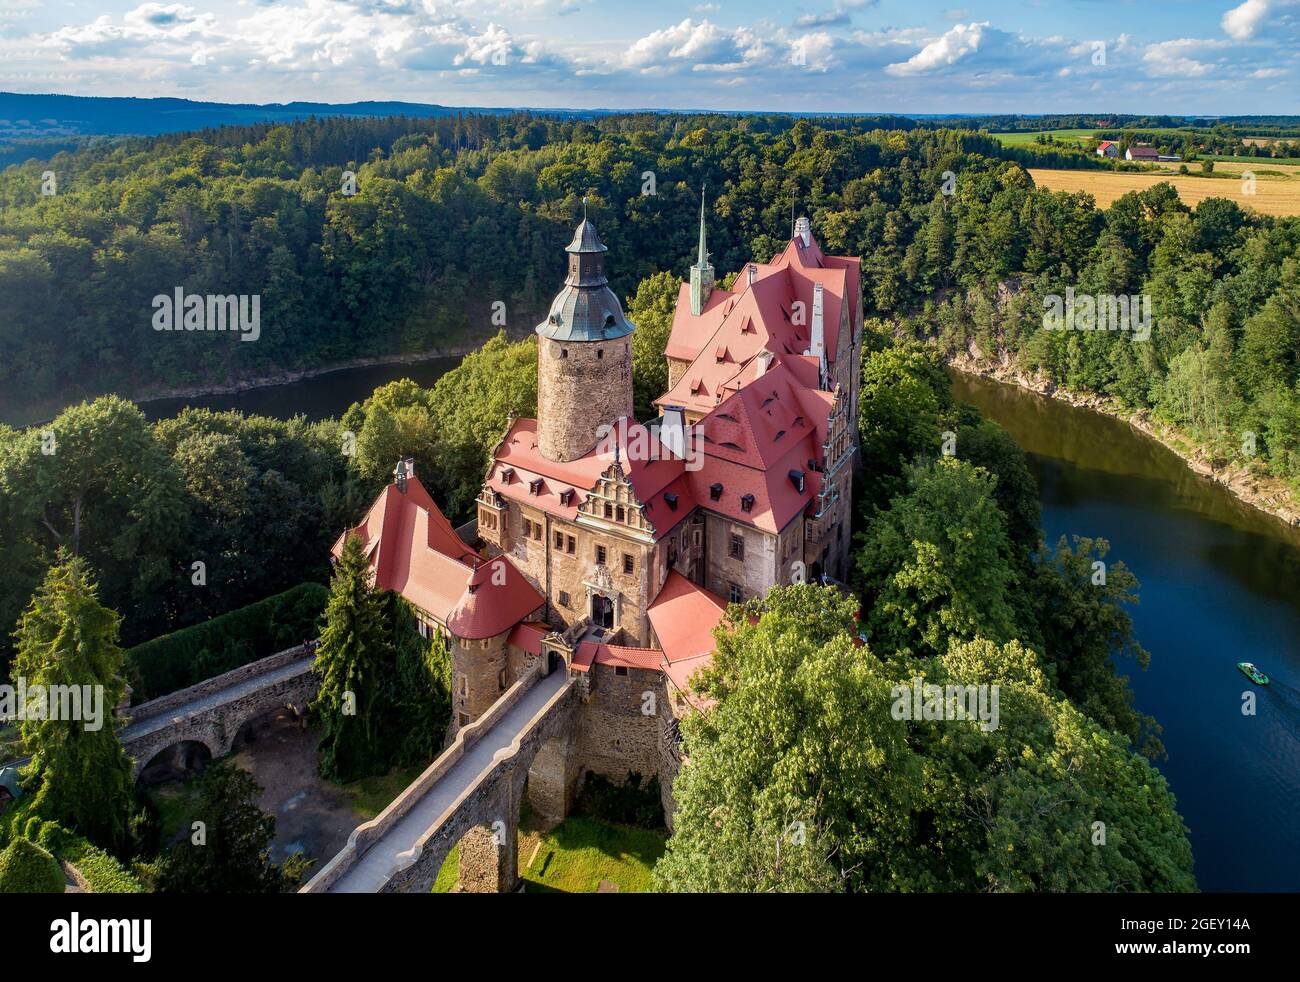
(957, 43)
(702, 46)
(1182, 58)
(1240, 23)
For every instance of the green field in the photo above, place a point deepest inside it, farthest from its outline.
(1060, 136)
(576, 856)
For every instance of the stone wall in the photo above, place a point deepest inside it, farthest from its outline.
(183, 697)
(580, 386)
(755, 573)
(480, 673)
(614, 735)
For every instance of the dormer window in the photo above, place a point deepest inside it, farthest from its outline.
(796, 478)
(566, 496)
(672, 501)
(747, 502)
(535, 486)
(507, 475)
(715, 492)
(609, 320)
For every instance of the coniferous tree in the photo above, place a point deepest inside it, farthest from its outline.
(80, 775)
(355, 656)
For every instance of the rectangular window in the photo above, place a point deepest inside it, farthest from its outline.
(564, 599)
(537, 531)
(464, 719)
(600, 555)
(559, 540)
(737, 546)
(571, 546)
(528, 529)
(609, 510)
(622, 517)
(620, 669)
(501, 680)
(734, 593)
(629, 564)
(464, 685)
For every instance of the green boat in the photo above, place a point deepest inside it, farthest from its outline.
(1252, 673)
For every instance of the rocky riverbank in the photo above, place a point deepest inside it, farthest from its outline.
(1261, 491)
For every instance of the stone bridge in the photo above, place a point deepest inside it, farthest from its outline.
(212, 712)
(470, 794)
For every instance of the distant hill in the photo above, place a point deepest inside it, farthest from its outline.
(26, 117)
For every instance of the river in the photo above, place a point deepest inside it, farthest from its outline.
(1220, 583)
(318, 397)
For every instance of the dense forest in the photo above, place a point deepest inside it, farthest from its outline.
(454, 215)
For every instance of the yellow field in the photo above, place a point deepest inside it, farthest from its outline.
(1273, 195)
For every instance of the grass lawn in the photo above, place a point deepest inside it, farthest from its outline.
(575, 856)
(1060, 136)
(580, 852)
(371, 795)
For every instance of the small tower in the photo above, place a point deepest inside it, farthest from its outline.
(584, 355)
(701, 272)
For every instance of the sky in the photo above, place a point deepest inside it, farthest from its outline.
(1195, 57)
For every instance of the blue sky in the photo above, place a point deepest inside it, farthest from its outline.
(922, 56)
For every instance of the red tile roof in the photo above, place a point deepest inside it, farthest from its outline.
(415, 552)
(528, 636)
(518, 461)
(683, 617)
(589, 652)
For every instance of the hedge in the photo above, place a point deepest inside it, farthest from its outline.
(192, 654)
(27, 868)
(102, 873)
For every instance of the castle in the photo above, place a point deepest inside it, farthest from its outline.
(608, 548)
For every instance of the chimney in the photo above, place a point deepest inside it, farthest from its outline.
(404, 471)
(672, 431)
(803, 229)
(752, 274)
(765, 359)
(817, 345)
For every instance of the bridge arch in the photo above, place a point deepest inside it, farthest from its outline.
(176, 759)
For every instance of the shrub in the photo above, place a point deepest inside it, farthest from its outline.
(53, 838)
(102, 873)
(626, 804)
(190, 655)
(27, 868)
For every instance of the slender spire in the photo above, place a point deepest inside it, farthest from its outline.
(701, 272)
(704, 252)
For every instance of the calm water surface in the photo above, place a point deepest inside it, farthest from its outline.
(1220, 583)
(316, 398)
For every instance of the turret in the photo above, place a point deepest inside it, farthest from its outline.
(584, 355)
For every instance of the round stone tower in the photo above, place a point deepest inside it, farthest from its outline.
(584, 355)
